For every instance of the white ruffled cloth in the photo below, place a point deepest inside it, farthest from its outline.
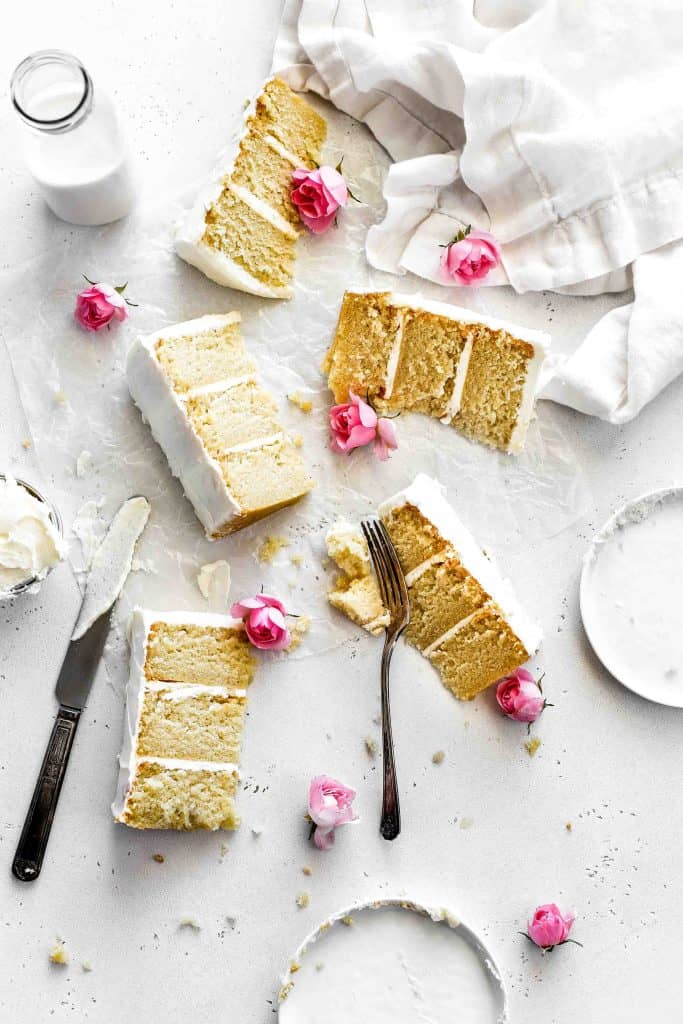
(557, 126)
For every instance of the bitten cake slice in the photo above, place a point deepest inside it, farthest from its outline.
(195, 384)
(355, 592)
(242, 230)
(465, 616)
(185, 707)
(405, 353)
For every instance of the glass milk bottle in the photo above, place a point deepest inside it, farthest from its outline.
(72, 141)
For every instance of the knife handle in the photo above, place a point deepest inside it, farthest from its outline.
(28, 859)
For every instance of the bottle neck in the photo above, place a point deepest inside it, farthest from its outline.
(51, 91)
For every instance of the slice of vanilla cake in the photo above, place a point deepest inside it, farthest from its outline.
(196, 386)
(242, 229)
(464, 616)
(405, 353)
(185, 707)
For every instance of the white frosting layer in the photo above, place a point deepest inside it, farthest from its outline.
(112, 563)
(30, 542)
(138, 631)
(199, 474)
(427, 495)
(469, 316)
(395, 963)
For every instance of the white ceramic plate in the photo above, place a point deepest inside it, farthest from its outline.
(392, 962)
(632, 595)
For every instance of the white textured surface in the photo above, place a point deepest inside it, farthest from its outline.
(100, 889)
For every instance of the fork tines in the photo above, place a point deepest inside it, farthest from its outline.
(388, 570)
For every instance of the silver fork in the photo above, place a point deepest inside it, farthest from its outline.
(394, 592)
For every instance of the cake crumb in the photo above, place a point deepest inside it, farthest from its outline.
(307, 869)
(298, 441)
(285, 990)
(371, 746)
(297, 560)
(347, 920)
(190, 922)
(224, 849)
(305, 404)
(294, 967)
(271, 547)
(26, 444)
(319, 966)
(532, 745)
(303, 899)
(231, 921)
(58, 954)
(466, 822)
(60, 397)
(86, 966)
(158, 857)
(439, 757)
(568, 826)
(298, 631)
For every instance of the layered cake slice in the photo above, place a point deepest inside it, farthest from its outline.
(474, 372)
(185, 707)
(242, 229)
(195, 384)
(464, 616)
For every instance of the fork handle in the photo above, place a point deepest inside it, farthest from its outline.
(390, 824)
(28, 859)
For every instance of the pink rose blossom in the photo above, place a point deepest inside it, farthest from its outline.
(355, 424)
(520, 697)
(98, 305)
(264, 621)
(470, 256)
(549, 927)
(317, 195)
(329, 806)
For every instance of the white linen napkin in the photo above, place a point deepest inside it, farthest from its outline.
(556, 126)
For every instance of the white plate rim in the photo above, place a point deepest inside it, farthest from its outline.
(675, 491)
(437, 916)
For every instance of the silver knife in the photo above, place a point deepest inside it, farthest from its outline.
(73, 686)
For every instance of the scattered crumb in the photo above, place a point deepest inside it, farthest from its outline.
(568, 826)
(231, 921)
(347, 920)
(439, 757)
(213, 579)
(303, 899)
(60, 397)
(26, 444)
(58, 954)
(297, 560)
(298, 631)
(285, 990)
(451, 920)
(305, 404)
(224, 849)
(86, 966)
(190, 922)
(319, 966)
(371, 746)
(466, 723)
(294, 967)
(307, 869)
(466, 822)
(532, 745)
(298, 441)
(159, 858)
(84, 463)
(271, 547)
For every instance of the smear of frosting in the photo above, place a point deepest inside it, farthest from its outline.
(213, 580)
(30, 543)
(112, 562)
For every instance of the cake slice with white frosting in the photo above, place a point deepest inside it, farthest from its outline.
(405, 353)
(185, 707)
(196, 386)
(242, 229)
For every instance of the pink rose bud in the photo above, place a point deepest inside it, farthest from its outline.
(329, 806)
(317, 195)
(549, 927)
(356, 424)
(98, 305)
(520, 697)
(470, 256)
(264, 621)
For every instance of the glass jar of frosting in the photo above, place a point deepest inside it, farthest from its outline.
(72, 140)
